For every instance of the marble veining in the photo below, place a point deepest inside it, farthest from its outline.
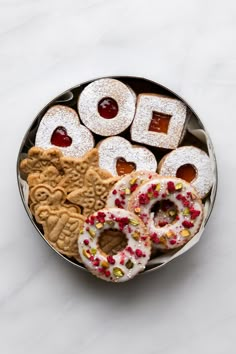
(48, 306)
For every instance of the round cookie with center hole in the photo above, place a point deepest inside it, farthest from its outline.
(127, 262)
(121, 192)
(190, 164)
(186, 211)
(107, 106)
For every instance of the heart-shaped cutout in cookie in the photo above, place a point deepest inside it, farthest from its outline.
(60, 127)
(60, 138)
(124, 167)
(118, 156)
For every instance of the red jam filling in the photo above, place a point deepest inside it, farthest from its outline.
(159, 123)
(60, 138)
(123, 167)
(186, 172)
(108, 108)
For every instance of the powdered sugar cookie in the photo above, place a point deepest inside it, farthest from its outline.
(126, 263)
(159, 121)
(188, 214)
(190, 164)
(107, 106)
(118, 156)
(60, 127)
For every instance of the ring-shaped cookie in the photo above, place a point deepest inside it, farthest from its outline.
(88, 106)
(190, 155)
(189, 211)
(125, 264)
(121, 192)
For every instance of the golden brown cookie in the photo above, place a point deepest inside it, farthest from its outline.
(76, 168)
(93, 195)
(61, 229)
(103, 173)
(55, 198)
(50, 176)
(38, 159)
(112, 241)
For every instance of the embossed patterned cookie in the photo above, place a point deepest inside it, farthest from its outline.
(120, 194)
(107, 106)
(159, 121)
(55, 198)
(50, 176)
(190, 164)
(60, 127)
(39, 159)
(93, 195)
(61, 229)
(75, 169)
(118, 156)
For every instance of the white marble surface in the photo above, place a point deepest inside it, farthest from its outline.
(46, 305)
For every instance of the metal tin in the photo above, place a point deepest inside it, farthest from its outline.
(69, 98)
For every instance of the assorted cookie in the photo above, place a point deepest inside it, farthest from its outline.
(107, 106)
(187, 214)
(113, 207)
(118, 156)
(159, 121)
(125, 264)
(120, 194)
(190, 164)
(92, 197)
(60, 127)
(61, 229)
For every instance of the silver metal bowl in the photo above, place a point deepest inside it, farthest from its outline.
(139, 85)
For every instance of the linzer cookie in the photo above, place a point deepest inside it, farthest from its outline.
(60, 127)
(159, 121)
(61, 229)
(190, 164)
(118, 156)
(92, 197)
(107, 106)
